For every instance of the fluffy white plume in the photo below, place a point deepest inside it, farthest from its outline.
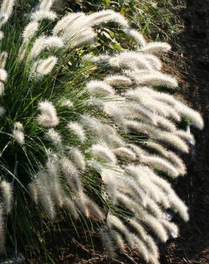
(19, 136)
(45, 5)
(93, 209)
(18, 133)
(66, 22)
(45, 42)
(7, 7)
(84, 38)
(125, 153)
(114, 222)
(71, 174)
(118, 80)
(156, 47)
(67, 103)
(48, 116)
(54, 137)
(44, 67)
(2, 237)
(30, 30)
(190, 114)
(155, 78)
(44, 195)
(3, 75)
(40, 15)
(78, 158)
(6, 191)
(32, 188)
(160, 164)
(108, 243)
(138, 37)
(1, 88)
(104, 153)
(106, 16)
(130, 60)
(99, 87)
(71, 207)
(77, 130)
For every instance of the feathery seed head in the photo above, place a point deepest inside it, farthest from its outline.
(71, 174)
(43, 42)
(99, 87)
(191, 114)
(157, 78)
(125, 153)
(33, 191)
(78, 158)
(83, 38)
(138, 37)
(156, 47)
(38, 46)
(117, 80)
(19, 136)
(67, 103)
(173, 140)
(108, 243)
(132, 60)
(44, 67)
(30, 30)
(104, 153)
(1, 88)
(40, 15)
(93, 209)
(2, 236)
(3, 75)
(54, 42)
(55, 137)
(18, 126)
(64, 23)
(107, 16)
(48, 116)
(7, 7)
(77, 130)
(6, 190)
(44, 196)
(45, 5)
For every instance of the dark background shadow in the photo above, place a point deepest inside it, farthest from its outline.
(193, 44)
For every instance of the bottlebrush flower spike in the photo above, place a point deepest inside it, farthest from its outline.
(48, 116)
(7, 8)
(46, 5)
(156, 47)
(42, 14)
(6, 190)
(30, 30)
(44, 67)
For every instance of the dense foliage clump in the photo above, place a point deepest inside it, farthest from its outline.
(93, 135)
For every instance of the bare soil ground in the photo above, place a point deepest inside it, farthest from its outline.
(193, 44)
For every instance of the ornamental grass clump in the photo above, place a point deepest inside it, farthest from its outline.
(101, 147)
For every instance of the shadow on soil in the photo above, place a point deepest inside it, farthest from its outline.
(193, 244)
